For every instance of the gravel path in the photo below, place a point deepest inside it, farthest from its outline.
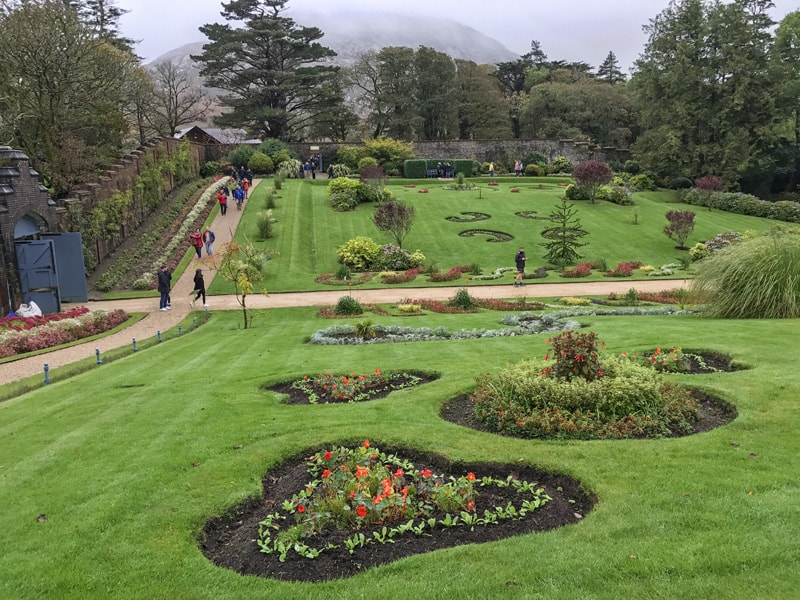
(223, 228)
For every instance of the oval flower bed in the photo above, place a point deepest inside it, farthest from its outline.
(336, 511)
(327, 388)
(22, 335)
(578, 395)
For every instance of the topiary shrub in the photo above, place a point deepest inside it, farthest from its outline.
(680, 183)
(260, 164)
(359, 253)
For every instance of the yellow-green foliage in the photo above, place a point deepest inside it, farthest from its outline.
(571, 301)
(358, 253)
(389, 150)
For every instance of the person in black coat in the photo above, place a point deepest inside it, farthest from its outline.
(199, 287)
(164, 283)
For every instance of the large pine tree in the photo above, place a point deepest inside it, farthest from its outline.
(274, 70)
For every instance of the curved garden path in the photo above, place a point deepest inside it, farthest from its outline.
(223, 228)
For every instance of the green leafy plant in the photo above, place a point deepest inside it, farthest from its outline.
(463, 300)
(347, 305)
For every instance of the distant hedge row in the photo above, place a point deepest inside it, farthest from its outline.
(418, 168)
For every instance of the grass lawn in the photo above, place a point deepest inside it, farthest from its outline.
(107, 457)
(308, 231)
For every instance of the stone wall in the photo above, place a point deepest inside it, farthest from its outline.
(122, 177)
(21, 195)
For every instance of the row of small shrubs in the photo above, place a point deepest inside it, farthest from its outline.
(743, 204)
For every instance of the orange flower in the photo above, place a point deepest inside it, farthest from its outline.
(470, 476)
(366, 443)
(377, 372)
(399, 473)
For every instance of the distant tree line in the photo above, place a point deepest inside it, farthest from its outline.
(714, 92)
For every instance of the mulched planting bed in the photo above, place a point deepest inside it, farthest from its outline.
(397, 381)
(714, 411)
(228, 540)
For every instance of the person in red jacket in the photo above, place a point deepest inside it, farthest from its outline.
(196, 240)
(222, 198)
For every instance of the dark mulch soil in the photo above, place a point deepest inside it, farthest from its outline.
(379, 391)
(228, 540)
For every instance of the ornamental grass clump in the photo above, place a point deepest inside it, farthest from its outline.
(576, 394)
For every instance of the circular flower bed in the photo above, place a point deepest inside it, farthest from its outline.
(578, 395)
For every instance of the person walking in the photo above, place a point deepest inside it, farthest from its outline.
(238, 195)
(208, 240)
(196, 240)
(491, 169)
(164, 281)
(199, 287)
(520, 259)
(222, 198)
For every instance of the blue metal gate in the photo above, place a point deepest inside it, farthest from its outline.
(36, 262)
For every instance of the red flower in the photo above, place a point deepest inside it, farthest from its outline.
(399, 473)
(301, 508)
(366, 443)
(470, 476)
(361, 511)
(326, 473)
(328, 455)
(425, 473)
(377, 372)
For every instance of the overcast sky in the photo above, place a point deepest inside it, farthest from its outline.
(567, 29)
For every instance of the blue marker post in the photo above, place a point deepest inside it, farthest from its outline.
(46, 373)
(158, 333)
(97, 354)
(135, 349)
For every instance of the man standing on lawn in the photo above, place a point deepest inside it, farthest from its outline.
(520, 259)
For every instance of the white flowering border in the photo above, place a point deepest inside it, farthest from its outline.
(144, 280)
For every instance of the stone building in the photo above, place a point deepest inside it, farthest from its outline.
(26, 212)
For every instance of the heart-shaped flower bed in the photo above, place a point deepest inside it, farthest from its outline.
(333, 512)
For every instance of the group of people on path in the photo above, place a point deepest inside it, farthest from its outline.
(198, 240)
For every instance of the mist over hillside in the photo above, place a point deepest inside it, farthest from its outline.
(351, 34)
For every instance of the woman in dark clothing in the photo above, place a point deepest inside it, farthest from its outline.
(199, 287)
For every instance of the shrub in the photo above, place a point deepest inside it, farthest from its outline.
(753, 279)
(617, 194)
(583, 269)
(260, 163)
(392, 258)
(343, 272)
(264, 222)
(365, 162)
(591, 175)
(573, 192)
(358, 253)
(463, 300)
(275, 148)
(560, 165)
(385, 150)
(269, 202)
(680, 183)
(535, 158)
(534, 170)
(347, 305)
(240, 156)
(289, 169)
(211, 168)
(710, 183)
(641, 183)
(344, 193)
(350, 155)
(575, 355)
(394, 219)
(632, 167)
(699, 251)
